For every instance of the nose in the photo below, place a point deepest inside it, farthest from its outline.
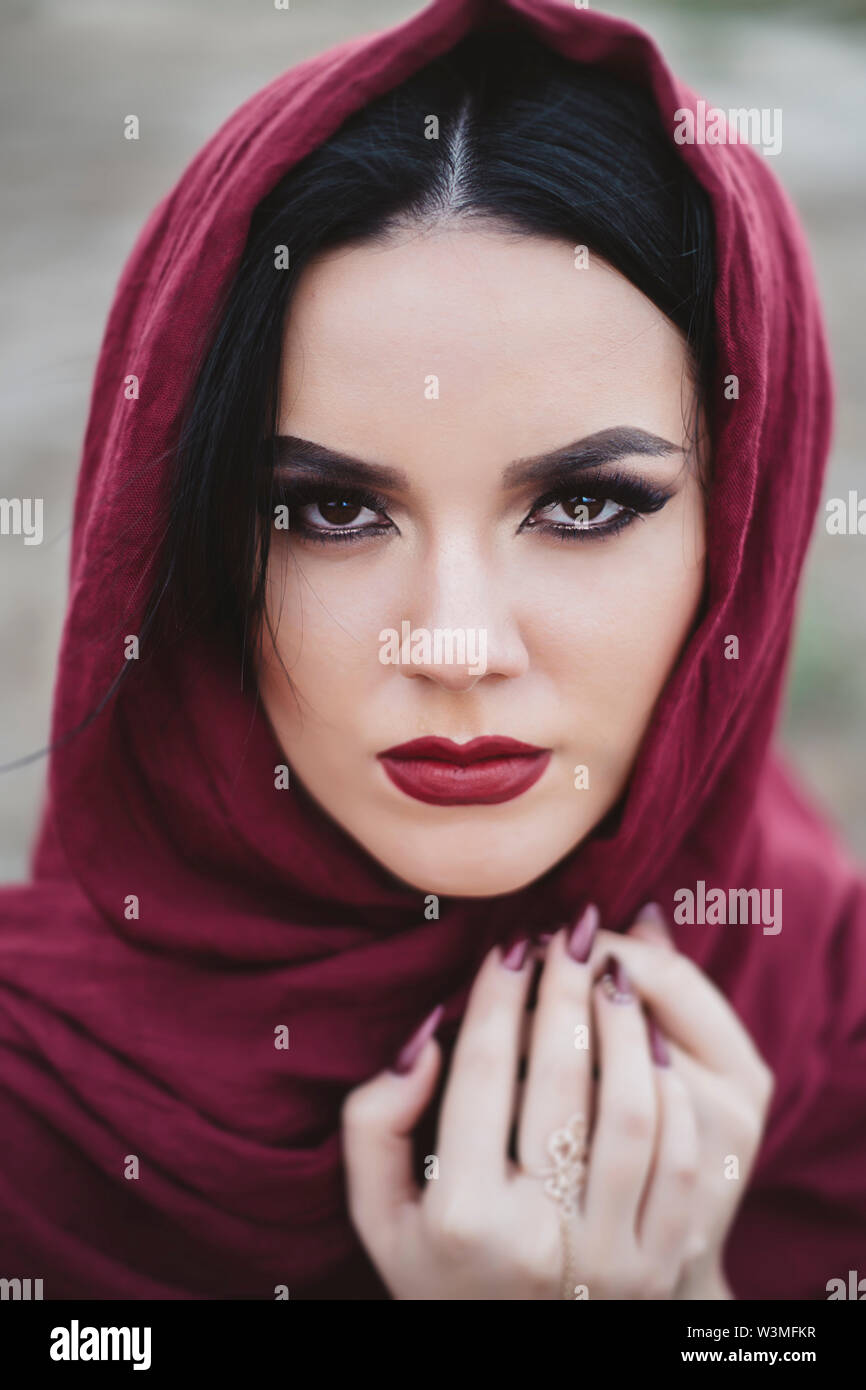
(460, 626)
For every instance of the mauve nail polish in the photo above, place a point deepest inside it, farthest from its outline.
(658, 1043)
(615, 982)
(583, 933)
(515, 957)
(651, 912)
(412, 1050)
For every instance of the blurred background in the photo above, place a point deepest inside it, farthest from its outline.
(75, 194)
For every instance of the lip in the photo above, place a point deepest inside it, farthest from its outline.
(483, 772)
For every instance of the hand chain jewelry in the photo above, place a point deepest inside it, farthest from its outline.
(564, 1183)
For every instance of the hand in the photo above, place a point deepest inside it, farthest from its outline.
(485, 1228)
(729, 1083)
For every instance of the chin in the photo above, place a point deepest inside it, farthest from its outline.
(476, 871)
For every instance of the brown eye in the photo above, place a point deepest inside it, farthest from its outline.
(338, 516)
(326, 514)
(339, 511)
(621, 499)
(580, 513)
(583, 508)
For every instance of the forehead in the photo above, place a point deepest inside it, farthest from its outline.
(477, 337)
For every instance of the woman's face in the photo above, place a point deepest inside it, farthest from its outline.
(509, 546)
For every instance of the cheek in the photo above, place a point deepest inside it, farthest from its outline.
(611, 628)
(603, 623)
(326, 612)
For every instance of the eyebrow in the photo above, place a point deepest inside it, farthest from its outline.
(317, 463)
(596, 450)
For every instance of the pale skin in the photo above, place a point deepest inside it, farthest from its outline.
(531, 354)
(452, 356)
(656, 1204)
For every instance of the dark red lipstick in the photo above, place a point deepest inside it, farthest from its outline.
(479, 773)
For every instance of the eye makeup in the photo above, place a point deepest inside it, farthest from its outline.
(313, 496)
(632, 496)
(606, 501)
(576, 493)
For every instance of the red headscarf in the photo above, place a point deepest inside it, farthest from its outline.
(153, 1036)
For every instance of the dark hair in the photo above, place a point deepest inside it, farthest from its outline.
(526, 139)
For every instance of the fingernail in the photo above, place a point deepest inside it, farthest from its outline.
(545, 938)
(515, 958)
(658, 1043)
(651, 925)
(615, 982)
(652, 914)
(583, 933)
(409, 1055)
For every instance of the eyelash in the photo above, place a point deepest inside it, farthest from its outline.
(636, 497)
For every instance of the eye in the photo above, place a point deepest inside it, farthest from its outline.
(334, 513)
(579, 513)
(618, 500)
(322, 514)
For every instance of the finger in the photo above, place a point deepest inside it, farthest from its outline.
(559, 1078)
(377, 1123)
(523, 1042)
(686, 1004)
(669, 1214)
(623, 1139)
(651, 925)
(729, 1126)
(477, 1108)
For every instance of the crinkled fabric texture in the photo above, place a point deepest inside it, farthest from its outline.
(154, 1037)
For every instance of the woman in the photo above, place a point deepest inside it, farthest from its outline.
(454, 447)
